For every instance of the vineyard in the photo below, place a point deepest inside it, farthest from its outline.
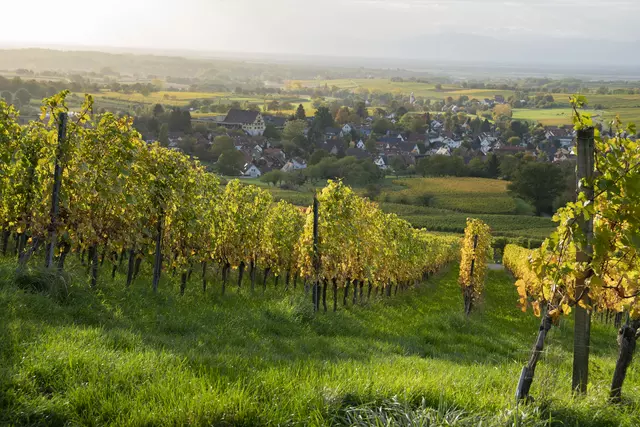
(136, 290)
(92, 188)
(472, 195)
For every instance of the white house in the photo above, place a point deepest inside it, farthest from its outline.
(251, 170)
(249, 121)
(380, 163)
(361, 145)
(346, 129)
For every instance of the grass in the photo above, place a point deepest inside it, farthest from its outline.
(117, 356)
(547, 116)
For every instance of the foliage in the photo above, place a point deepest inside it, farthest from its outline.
(475, 254)
(611, 269)
(539, 184)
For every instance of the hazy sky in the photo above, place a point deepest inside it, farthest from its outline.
(342, 27)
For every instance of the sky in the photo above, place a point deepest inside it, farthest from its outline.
(374, 28)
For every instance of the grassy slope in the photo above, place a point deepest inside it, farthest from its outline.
(128, 357)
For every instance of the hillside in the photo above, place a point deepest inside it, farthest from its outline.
(117, 356)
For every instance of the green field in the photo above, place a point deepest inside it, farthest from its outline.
(426, 90)
(127, 357)
(181, 99)
(547, 116)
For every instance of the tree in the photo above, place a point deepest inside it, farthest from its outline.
(163, 134)
(514, 140)
(539, 184)
(398, 165)
(272, 132)
(317, 156)
(322, 119)
(412, 123)
(273, 177)
(300, 113)
(493, 166)
(273, 105)
(230, 162)
(7, 96)
(508, 166)
(477, 167)
(342, 116)
(222, 144)
(23, 96)
(158, 110)
(294, 130)
(370, 145)
(361, 110)
(502, 112)
(519, 128)
(381, 126)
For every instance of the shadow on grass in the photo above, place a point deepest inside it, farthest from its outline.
(229, 338)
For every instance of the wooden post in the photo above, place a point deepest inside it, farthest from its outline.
(157, 264)
(55, 197)
(582, 324)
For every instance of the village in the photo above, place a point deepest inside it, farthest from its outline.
(399, 149)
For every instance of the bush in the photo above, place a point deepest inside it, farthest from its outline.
(51, 282)
(524, 208)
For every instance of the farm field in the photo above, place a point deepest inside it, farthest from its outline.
(118, 356)
(426, 90)
(547, 116)
(473, 195)
(181, 99)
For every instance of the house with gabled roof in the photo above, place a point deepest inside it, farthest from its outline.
(249, 121)
(251, 170)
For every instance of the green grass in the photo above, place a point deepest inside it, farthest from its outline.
(547, 116)
(117, 356)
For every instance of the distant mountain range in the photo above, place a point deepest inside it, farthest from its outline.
(442, 53)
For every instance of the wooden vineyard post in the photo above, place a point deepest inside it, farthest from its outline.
(582, 324)
(316, 256)
(157, 262)
(55, 196)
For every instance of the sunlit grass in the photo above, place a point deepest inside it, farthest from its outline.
(127, 357)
